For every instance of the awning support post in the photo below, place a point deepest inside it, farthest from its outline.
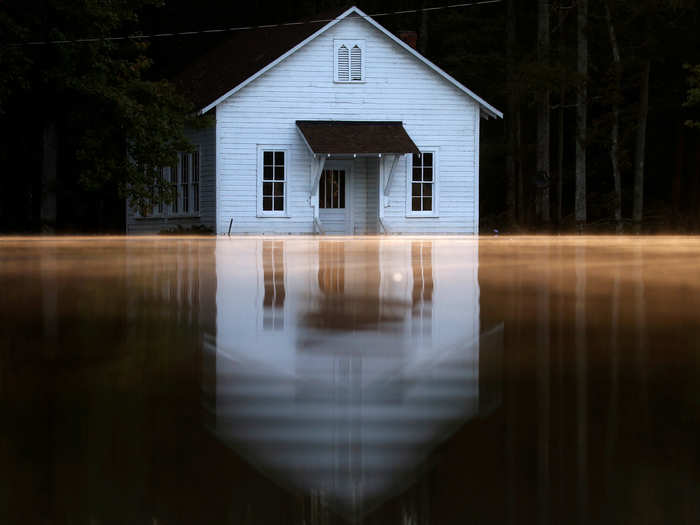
(381, 195)
(317, 165)
(394, 159)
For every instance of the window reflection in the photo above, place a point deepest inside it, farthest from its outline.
(422, 296)
(331, 267)
(273, 279)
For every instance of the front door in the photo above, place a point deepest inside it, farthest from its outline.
(333, 200)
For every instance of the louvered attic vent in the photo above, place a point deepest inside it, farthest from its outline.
(349, 61)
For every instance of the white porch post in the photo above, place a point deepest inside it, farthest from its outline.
(381, 193)
(317, 165)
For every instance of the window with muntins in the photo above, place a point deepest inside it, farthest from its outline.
(423, 183)
(195, 182)
(185, 160)
(331, 190)
(274, 181)
(349, 61)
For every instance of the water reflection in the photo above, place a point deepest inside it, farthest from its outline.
(273, 279)
(347, 399)
(325, 381)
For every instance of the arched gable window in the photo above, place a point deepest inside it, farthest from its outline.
(349, 60)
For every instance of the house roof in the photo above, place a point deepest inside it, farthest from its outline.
(338, 137)
(248, 54)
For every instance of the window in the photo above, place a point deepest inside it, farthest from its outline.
(349, 60)
(160, 205)
(272, 188)
(195, 182)
(331, 190)
(176, 194)
(185, 159)
(422, 184)
(184, 180)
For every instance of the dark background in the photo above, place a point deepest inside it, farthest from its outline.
(468, 42)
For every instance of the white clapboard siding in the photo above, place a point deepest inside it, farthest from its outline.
(397, 87)
(205, 140)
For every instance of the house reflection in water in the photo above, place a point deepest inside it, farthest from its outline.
(359, 357)
(273, 279)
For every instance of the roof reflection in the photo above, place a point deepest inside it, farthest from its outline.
(340, 364)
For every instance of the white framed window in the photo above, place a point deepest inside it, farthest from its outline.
(174, 204)
(273, 162)
(195, 182)
(185, 181)
(184, 193)
(422, 184)
(349, 58)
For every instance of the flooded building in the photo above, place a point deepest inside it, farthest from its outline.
(335, 126)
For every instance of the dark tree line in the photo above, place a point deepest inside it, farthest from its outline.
(600, 100)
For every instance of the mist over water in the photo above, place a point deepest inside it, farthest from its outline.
(350, 380)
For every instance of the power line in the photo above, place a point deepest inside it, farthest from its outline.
(240, 28)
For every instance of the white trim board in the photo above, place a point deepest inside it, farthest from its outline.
(487, 109)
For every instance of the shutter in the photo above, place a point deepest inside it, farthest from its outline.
(343, 64)
(356, 63)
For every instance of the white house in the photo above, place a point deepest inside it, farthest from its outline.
(334, 126)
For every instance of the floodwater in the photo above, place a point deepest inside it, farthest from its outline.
(266, 380)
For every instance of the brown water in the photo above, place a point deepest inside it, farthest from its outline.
(374, 380)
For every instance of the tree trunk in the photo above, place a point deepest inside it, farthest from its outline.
(560, 124)
(581, 112)
(48, 177)
(512, 117)
(677, 177)
(640, 149)
(543, 113)
(615, 130)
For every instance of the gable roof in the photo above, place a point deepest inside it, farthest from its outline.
(248, 54)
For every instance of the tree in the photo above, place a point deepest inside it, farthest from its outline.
(581, 112)
(615, 129)
(640, 147)
(693, 93)
(543, 112)
(99, 117)
(512, 118)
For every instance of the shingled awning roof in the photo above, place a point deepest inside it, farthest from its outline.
(337, 137)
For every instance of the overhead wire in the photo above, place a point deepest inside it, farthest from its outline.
(241, 28)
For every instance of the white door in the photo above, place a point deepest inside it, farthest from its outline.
(334, 200)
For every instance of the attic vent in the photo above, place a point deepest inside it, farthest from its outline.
(343, 64)
(356, 63)
(349, 62)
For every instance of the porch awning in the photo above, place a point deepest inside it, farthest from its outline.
(341, 137)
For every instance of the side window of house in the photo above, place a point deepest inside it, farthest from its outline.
(183, 182)
(423, 179)
(273, 185)
(349, 60)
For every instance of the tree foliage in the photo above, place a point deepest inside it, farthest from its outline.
(693, 98)
(118, 121)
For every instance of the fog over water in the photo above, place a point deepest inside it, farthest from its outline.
(307, 380)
